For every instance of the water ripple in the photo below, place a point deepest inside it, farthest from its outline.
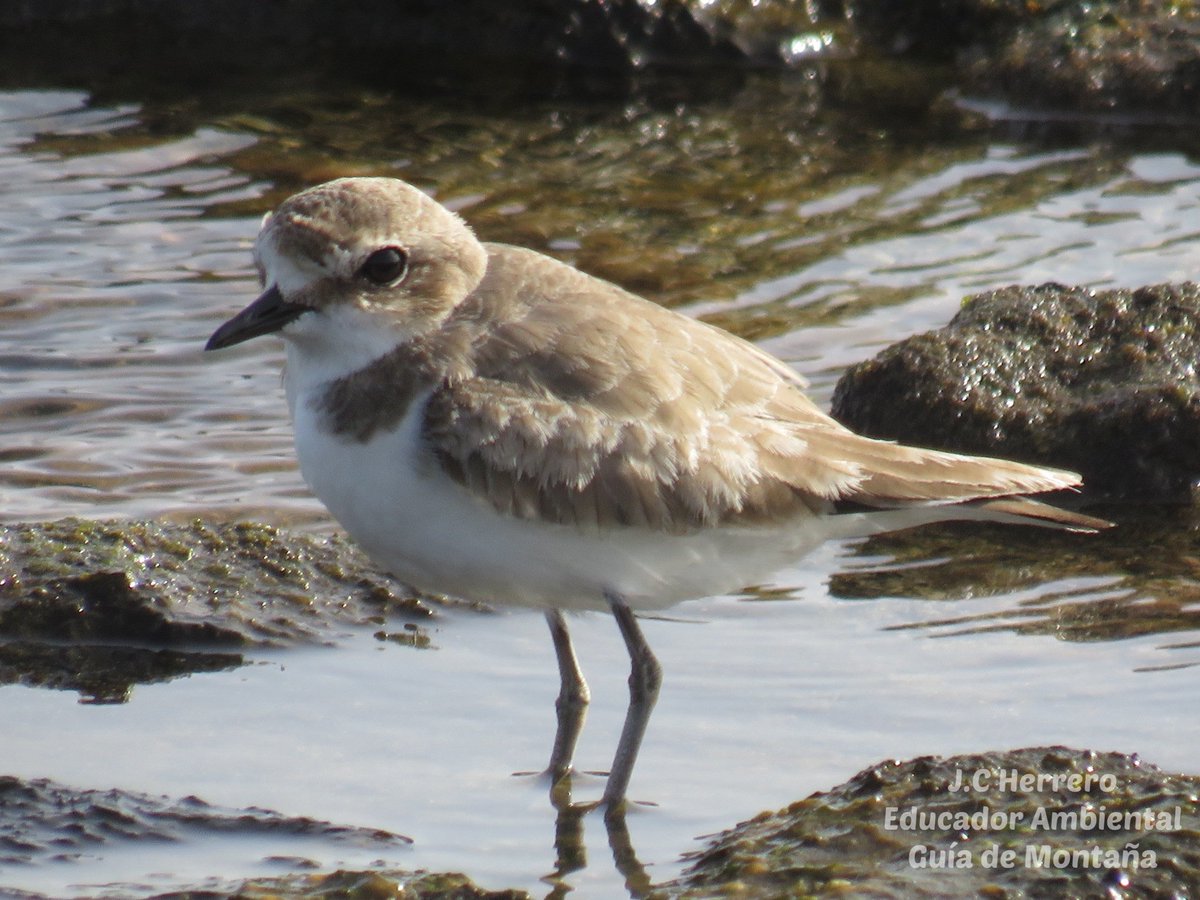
(125, 235)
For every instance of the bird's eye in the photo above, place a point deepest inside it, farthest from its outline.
(384, 266)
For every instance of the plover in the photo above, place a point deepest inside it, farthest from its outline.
(491, 423)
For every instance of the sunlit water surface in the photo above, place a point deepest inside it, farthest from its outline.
(122, 246)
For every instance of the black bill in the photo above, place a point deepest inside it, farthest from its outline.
(266, 315)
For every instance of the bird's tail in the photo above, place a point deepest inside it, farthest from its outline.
(945, 486)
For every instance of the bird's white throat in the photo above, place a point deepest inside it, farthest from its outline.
(325, 345)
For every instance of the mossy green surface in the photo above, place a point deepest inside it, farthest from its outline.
(100, 606)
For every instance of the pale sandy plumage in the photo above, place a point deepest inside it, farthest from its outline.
(561, 397)
(486, 420)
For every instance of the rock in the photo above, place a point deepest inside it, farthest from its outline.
(1141, 57)
(100, 606)
(416, 44)
(899, 829)
(1137, 58)
(896, 829)
(1132, 55)
(46, 823)
(1101, 382)
(936, 28)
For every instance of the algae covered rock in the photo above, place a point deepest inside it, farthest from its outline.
(1043, 821)
(99, 606)
(1101, 382)
(1140, 57)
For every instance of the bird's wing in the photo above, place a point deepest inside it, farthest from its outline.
(583, 404)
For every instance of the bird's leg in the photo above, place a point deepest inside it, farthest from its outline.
(573, 697)
(645, 678)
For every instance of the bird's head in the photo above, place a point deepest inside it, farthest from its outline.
(357, 260)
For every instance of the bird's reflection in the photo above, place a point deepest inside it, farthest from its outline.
(570, 848)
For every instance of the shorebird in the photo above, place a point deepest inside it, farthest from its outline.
(491, 423)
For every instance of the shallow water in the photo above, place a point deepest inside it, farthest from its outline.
(124, 236)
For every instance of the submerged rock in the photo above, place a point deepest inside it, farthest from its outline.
(1043, 821)
(934, 28)
(44, 821)
(1100, 382)
(99, 606)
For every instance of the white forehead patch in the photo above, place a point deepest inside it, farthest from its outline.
(289, 274)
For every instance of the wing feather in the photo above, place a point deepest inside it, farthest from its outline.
(579, 403)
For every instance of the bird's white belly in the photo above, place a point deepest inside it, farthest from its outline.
(434, 534)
